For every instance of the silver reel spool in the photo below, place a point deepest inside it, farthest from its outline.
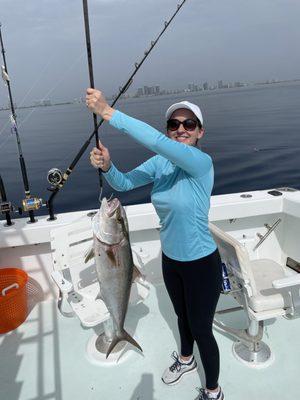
(54, 176)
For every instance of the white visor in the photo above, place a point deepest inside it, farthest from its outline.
(189, 106)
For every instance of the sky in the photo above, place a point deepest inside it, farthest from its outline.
(209, 40)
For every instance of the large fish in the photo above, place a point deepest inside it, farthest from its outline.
(114, 264)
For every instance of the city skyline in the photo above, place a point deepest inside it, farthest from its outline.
(207, 41)
(154, 90)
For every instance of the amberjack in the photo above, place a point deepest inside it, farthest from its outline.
(114, 264)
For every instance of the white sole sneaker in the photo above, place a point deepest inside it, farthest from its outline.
(180, 377)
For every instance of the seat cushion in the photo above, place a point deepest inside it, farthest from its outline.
(265, 271)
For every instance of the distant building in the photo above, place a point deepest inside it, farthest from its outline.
(140, 92)
(205, 86)
(147, 90)
(192, 87)
(151, 90)
(220, 84)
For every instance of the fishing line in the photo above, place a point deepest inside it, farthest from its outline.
(37, 80)
(45, 96)
(62, 78)
(5, 141)
(29, 91)
(56, 188)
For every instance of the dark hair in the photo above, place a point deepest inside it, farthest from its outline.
(199, 123)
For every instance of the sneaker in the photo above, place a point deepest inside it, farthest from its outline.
(204, 395)
(175, 372)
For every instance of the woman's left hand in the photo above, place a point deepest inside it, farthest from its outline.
(97, 103)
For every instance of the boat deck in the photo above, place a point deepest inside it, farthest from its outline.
(45, 358)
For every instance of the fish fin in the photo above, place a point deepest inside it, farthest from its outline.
(90, 253)
(137, 275)
(112, 257)
(124, 336)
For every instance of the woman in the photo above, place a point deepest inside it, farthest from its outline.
(182, 177)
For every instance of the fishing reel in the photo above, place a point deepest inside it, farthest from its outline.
(55, 177)
(6, 206)
(32, 204)
(28, 204)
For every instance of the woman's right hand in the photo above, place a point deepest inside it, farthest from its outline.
(100, 158)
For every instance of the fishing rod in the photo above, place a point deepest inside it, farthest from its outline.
(91, 75)
(29, 204)
(5, 206)
(60, 178)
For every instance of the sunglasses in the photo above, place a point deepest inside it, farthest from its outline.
(188, 124)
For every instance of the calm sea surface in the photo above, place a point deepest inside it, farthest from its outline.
(252, 134)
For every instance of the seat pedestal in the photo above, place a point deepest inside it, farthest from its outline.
(256, 355)
(249, 348)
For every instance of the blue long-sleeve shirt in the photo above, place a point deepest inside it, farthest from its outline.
(182, 179)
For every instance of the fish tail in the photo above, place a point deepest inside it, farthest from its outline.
(124, 336)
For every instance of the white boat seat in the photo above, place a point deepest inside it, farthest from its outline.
(77, 281)
(265, 271)
(264, 291)
(261, 286)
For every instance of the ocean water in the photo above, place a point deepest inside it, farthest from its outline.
(252, 134)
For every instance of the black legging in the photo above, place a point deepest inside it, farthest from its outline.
(194, 288)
